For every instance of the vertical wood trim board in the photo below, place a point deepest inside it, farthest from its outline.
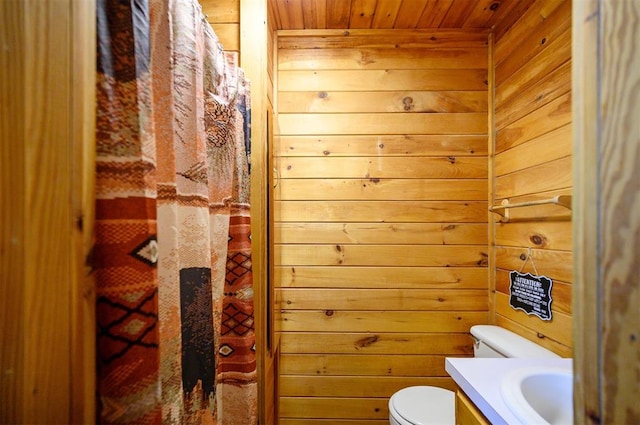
(620, 211)
(46, 299)
(491, 149)
(254, 61)
(533, 160)
(380, 221)
(586, 150)
(13, 224)
(83, 318)
(607, 142)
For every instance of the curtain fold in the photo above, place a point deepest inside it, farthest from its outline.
(176, 338)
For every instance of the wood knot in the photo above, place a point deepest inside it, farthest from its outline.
(328, 313)
(538, 240)
(366, 58)
(365, 342)
(595, 418)
(408, 103)
(80, 222)
(322, 94)
(494, 6)
(484, 259)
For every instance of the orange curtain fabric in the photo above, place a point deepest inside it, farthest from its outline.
(176, 338)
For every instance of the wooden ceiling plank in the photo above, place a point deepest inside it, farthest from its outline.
(502, 11)
(386, 13)
(434, 13)
(314, 13)
(275, 14)
(409, 13)
(458, 13)
(283, 13)
(309, 13)
(322, 13)
(338, 13)
(362, 12)
(482, 13)
(295, 14)
(401, 14)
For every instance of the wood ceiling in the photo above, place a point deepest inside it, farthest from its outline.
(395, 14)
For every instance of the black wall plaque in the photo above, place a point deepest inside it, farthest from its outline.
(531, 294)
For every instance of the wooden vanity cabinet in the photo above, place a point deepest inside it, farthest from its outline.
(466, 412)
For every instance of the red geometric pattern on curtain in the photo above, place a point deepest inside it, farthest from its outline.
(176, 337)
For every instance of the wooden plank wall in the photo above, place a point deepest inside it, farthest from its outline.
(380, 216)
(224, 17)
(533, 160)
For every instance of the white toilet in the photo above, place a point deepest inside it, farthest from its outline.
(423, 405)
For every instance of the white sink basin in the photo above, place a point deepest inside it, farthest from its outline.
(541, 395)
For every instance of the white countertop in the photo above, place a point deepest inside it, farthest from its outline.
(480, 379)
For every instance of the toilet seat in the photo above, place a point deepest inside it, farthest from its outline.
(422, 405)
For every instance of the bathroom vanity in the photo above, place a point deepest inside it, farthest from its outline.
(480, 398)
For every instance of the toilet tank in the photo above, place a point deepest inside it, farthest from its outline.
(494, 341)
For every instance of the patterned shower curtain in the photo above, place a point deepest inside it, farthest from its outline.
(176, 340)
